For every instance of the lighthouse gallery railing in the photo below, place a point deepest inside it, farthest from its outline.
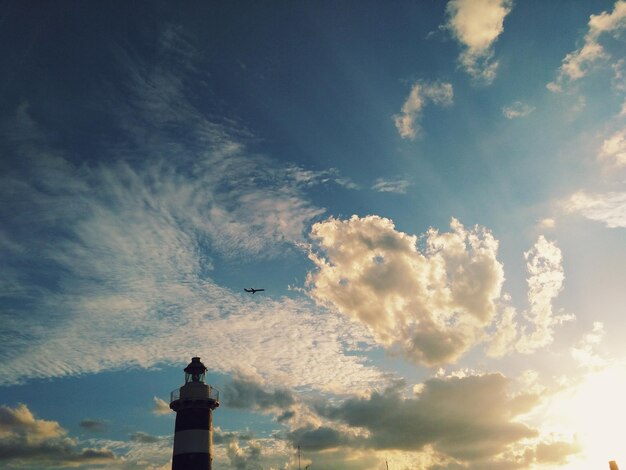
(213, 393)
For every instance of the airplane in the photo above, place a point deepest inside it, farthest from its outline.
(252, 290)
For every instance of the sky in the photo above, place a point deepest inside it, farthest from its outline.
(432, 194)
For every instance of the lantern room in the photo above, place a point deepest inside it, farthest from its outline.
(195, 371)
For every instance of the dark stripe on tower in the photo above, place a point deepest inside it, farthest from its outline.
(190, 461)
(193, 418)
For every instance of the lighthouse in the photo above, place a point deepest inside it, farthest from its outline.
(193, 403)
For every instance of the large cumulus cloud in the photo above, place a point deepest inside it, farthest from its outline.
(431, 302)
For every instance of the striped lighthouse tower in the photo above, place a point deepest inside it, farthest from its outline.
(193, 403)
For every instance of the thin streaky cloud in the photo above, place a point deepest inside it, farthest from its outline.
(398, 185)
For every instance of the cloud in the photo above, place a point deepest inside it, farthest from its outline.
(161, 407)
(245, 451)
(248, 394)
(470, 419)
(222, 437)
(619, 75)
(248, 458)
(505, 330)
(310, 178)
(146, 438)
(286, 416)
(609, 208)
(121, 253)
(555, 452)
(141, 451)
(320, 438)
(28, 441)
(407, 122)
(545, 281)
(517, 109)
(398, 186)
(477, 24)
(93, 425)
(585, 352)
(579, 63)
(613, 149)
(431, 303)
(547, 223)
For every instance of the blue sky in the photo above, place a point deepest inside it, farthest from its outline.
(431, 193)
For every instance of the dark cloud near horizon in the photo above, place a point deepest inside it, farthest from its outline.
(321, 438)
(468, 419)
(28, 441)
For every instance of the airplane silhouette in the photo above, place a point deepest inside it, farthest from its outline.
(252, 290)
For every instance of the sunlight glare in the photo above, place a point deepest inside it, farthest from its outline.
(595, 411)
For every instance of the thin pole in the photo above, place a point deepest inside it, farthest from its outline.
(299, 458)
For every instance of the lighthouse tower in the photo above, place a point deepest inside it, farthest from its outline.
(193, 403)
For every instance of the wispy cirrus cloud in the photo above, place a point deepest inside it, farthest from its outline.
(112, 259)
(579, 63)
(127, 245)
(422, 93)
(476, 25)
(398, 185)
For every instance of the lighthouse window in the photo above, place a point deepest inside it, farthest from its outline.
(195, 377)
